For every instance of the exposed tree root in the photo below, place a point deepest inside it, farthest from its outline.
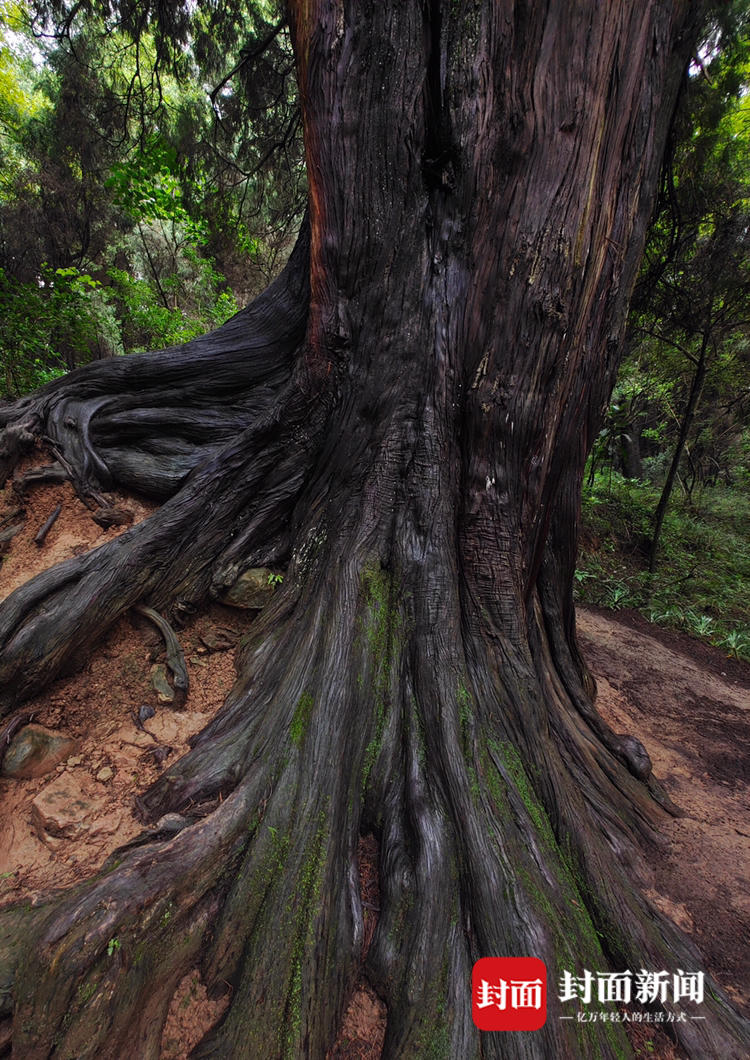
(490, 843)
(145, 422)
(237, 490)
(175, 657)
(507, 813)
(415, 452)
(54, 474)
(7, 535)
(170, 556)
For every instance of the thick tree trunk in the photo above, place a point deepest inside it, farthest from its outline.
(480, 177)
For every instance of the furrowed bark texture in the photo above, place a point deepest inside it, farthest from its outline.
(480, 175)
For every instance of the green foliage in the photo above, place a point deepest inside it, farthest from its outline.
(68, 318)
(152, 318)
(124, 221)
(736, 642)
(21, 100)
(691, 308)
(46, 328)
(147, 187)
(679, 411)
(82, 324)
(702, 584)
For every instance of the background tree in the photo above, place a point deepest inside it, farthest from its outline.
(404, 416)
(690, 314)
(123, 167)
(704, 314)
(699, 299)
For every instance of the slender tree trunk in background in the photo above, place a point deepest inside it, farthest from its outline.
(630, 451)
(696, 389)
(405, 417)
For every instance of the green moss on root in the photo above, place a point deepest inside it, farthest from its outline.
(301, 719)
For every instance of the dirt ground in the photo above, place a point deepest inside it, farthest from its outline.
(686, 702)
(690, 705)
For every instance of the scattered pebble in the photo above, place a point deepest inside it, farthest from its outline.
(161, 753)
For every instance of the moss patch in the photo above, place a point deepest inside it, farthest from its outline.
(383, 631)
(301, 719)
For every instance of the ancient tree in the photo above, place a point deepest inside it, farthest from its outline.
(403, 419)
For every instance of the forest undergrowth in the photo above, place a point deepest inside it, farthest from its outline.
(701, 584)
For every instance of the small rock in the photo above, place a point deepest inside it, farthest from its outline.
(252, 590)
(74, 760)
(218, 641)
(145, 712)
(161, 753)
(63, 810)
(105, 774)
(34, 751)
(172, 823)
(107, 517)
(160, 683)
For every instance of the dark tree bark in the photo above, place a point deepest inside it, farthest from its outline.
(404, 416)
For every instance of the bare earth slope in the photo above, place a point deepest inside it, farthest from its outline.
(690, 706)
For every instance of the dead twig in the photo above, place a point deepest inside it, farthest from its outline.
(46, 526)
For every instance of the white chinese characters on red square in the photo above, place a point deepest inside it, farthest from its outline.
(509, 993)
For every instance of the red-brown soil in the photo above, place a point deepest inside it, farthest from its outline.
(686, 702)
(690, 706)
